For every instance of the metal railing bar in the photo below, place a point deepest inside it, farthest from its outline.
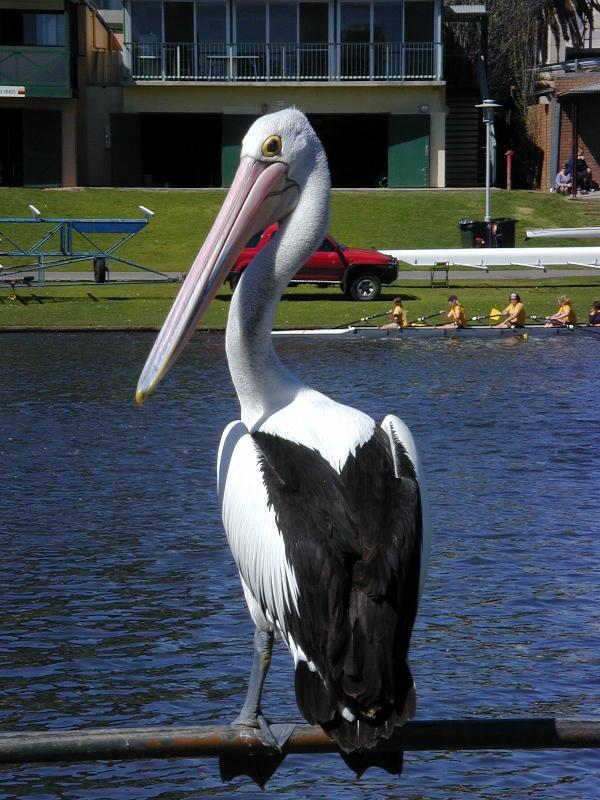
(225, 740)
(285, 61)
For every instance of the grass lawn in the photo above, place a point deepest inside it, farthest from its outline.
(145, 306)
(383, 219)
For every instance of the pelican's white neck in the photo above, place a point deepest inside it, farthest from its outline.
(262, 383)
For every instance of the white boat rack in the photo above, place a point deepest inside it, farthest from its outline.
(528, 266)
(595, 265)
(563, 233)
(487, 257)
(474, 266)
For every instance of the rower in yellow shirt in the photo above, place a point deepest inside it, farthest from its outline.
(456, 314)
(398, 315)
(564, 316)
(515, 313)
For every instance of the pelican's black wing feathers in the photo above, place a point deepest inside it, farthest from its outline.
(354, 542)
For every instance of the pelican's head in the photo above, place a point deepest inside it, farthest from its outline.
(278, 153)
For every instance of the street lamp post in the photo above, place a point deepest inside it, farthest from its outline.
(488, 108)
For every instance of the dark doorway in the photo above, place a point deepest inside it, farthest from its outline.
(356, 147)
(181, 150)
(179, 22)
(11, 147)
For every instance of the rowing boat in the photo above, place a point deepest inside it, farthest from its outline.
(417, 332)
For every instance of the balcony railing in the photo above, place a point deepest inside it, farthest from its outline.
(372, 61)
(42, 70)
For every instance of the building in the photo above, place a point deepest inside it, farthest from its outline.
(58, 66)
(198, 72)
(567, 108)
(160, 92)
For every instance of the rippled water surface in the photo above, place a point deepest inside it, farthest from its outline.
(121, 606)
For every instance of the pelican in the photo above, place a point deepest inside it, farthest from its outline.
(324, 509)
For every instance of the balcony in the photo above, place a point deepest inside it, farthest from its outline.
(372, 61)
(44, 71)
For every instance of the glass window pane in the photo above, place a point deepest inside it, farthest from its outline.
(146, 21)
(387, 22)
(179, 22)
(11, 27)
(314, 22)
(418, 21)
(314, 36)
(43, 29)
(210, 19)
(355, 22)
(251, 23)
(282, 23)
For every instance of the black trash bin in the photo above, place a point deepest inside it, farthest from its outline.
(473, 232)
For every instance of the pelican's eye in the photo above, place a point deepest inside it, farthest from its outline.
(272, 146)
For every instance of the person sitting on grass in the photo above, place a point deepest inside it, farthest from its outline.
(594, 318)
(515, 313)
(582, 172)
(563, 183)
(456, 314)
(398, 315)
(564, 316)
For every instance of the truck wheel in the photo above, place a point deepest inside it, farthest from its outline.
(364, 287)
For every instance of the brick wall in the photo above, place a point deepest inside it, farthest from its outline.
(540, 132)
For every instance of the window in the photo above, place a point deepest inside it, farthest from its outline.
(32, 29)
(146, 21)
(44, 29)
(282, 23)
(251, 23)
(211, 23)
(386, 39)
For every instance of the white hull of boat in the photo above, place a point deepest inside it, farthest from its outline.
(473, 332)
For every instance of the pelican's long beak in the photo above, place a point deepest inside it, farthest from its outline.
(259, 195)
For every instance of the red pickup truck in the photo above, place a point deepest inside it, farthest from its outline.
(358, 273)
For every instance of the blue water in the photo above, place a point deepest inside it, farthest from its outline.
(120, 604)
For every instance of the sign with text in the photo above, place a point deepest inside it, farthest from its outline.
(12, 91)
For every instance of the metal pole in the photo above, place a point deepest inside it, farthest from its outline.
(487, 110)
(574, 140)
(488, 218)
(226, 740)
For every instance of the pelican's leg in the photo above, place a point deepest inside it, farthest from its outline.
(251, 714)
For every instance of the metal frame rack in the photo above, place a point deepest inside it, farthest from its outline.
(71, 239)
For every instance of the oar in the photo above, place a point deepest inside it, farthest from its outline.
(362, 319)
(570, 326)
(430, 316)
(494, 314)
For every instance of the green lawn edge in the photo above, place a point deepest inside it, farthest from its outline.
(385, 219)
(128, 307)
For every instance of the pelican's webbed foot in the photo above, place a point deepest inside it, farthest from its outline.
(274, 737)
(251, 715)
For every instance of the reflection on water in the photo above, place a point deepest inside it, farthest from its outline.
(121, 605)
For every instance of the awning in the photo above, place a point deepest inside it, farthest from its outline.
(460, 12)
(588, 88)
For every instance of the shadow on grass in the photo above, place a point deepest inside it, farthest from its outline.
(25, 300)
(304, 297)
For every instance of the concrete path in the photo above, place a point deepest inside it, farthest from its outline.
(404, 275)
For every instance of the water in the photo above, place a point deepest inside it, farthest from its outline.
(120, 604)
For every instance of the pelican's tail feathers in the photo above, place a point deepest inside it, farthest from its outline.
(360, 762)
(314, 700)
(356, 732)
